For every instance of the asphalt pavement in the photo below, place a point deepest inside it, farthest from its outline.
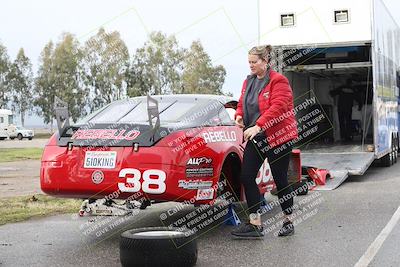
(334, 228)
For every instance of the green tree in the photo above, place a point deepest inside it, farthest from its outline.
(60, 74)
(105, 61)
(162, 67)
(68, 73)
(20, 83)
(45, 85)
(156, 67)
(4, 71)
(199, 76)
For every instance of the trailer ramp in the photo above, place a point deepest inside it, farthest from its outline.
(340, 161)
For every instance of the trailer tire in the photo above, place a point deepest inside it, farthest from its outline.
(387, 160)
(157, 246)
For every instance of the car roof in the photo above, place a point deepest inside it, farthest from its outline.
(186, 97)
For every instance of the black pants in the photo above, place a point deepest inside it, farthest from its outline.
(345, 123)
(253, 158)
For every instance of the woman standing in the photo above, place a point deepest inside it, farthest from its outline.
(265, 111)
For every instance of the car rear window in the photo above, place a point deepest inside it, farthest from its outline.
(135, 111)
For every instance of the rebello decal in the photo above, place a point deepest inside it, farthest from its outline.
(114, 134)
(219, 136)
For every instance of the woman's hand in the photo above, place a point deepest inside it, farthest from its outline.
(239, 121)
(251, 132)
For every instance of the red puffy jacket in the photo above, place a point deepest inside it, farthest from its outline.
(275, 102)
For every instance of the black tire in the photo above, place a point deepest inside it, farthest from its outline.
(394, 148)
(12, 138)
(30, 138)
(386, 161)
(2, 138)
(157, 246)
(19, 136)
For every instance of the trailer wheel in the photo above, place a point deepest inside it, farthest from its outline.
(387, 160)
(396, 147)
(157, 246)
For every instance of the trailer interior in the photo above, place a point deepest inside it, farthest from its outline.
(316, 74)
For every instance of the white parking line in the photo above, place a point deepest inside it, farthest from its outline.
(377, 244)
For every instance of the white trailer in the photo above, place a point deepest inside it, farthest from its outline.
(7, 129)
(319, 46)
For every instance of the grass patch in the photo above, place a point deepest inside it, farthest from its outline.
(15, 154)
(42, 135)
(16, 209)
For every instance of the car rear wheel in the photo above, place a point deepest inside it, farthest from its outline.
(30, 138)
(157, 246)
(19, 136)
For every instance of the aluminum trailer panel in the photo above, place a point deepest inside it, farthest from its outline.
(314, 22)
(305, 24)
(340, 164)
(386, 62)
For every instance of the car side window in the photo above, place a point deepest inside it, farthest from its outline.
(225, 117)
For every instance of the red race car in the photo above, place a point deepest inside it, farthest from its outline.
(183, 148)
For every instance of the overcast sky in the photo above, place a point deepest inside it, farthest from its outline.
(226, 28)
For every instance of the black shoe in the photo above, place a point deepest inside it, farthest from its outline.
(248, 231)
(287, 229)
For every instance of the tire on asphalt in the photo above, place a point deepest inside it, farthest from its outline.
(157, 246)
(19, 136)
(387, 160)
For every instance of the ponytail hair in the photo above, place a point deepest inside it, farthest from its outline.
(264, 51)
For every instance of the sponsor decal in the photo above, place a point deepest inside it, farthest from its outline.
(194, 184)
(97, 177)
(199, 167)
(200, 172)
(204, 194)
(264, 176)
(113, 134)
(219, 136)
(198, 161)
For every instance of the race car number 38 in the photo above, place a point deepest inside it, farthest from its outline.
(153, 181)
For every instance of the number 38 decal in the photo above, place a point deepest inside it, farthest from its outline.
(153, 181)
